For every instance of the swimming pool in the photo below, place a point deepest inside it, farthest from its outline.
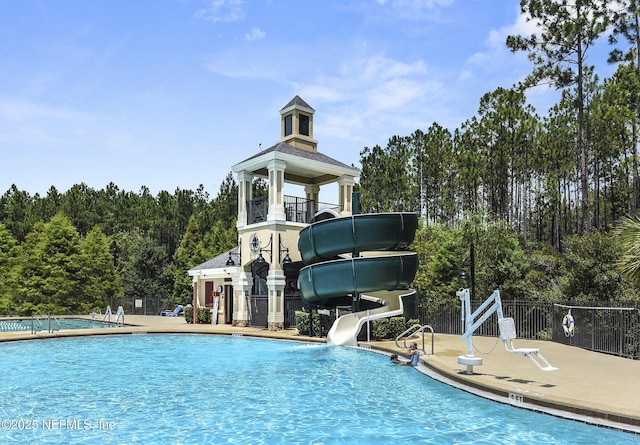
(199, 389)
(42, 324)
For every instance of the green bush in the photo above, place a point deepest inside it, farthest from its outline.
(390, 328)
(188, 314)
(204, 315)
(302, 323)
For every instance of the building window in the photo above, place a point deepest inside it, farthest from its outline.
(304, 124)
(288, 125)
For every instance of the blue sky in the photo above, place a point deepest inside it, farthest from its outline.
(172, 93)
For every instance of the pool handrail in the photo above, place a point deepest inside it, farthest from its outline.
(49, 328)
(119, 315)
(107, 313)
(416, 328)
(33, 328)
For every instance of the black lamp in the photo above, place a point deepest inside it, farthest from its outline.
(230, 261)
(281, 248)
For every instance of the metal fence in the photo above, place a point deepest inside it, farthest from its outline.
(259, 307)
(611, 330)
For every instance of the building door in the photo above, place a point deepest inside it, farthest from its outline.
(208, 294)
(228, 304)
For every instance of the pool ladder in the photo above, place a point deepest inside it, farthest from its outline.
(119, 315)
(38, 320)
(415, 329)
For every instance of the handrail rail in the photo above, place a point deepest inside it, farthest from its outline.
(33, 329)
(107, 313)
(49, 328)
(412, 330)
(120, 314)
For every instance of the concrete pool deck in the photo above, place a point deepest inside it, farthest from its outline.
(588, 386)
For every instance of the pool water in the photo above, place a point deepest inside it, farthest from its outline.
(199, 389)
(26, 324)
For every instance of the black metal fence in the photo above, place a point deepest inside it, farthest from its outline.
(259, 305)
(296, 209)
(299, 209)
(612, 329)
(258, 310)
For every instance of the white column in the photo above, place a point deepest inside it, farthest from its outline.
(241, 291)
(244, 195)
(345, 189)
(276, 283)
(276, 190)
(313, 193)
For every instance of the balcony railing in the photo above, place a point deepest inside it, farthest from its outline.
(296, 209)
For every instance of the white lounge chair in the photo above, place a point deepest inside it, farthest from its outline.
(508, 333)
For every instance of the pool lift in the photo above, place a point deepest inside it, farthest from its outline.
(506, 326)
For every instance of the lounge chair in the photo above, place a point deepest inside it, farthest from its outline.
(174, 313)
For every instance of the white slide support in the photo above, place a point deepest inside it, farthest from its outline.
(344, 331)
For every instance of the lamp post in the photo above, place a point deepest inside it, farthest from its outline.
(472, 266)
(472, 254)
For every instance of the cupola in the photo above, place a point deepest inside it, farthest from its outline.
(297, 125)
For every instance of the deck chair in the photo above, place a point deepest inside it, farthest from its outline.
(174, 313)
(508, 333)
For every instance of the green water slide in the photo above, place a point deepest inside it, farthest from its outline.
(360, 259)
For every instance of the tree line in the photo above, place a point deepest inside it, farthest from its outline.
(543, 198)
(549, 202)
(84, 249)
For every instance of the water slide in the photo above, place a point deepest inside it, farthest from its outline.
(359, 260)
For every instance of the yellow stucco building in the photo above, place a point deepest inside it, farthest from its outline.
(256, 282)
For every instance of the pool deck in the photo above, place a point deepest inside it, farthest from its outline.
(588, 386)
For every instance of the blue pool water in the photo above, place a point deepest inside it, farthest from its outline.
(27, 324)
(198, 389)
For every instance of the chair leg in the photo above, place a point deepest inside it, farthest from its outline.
(547, 366)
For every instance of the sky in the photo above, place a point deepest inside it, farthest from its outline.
(170, 94)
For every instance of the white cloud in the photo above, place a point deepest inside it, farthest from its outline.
(370, 94)
(254, 34)
(23, 110)
(221, 11)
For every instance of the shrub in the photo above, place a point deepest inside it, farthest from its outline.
(204, 315)
(390, 328)
(188, 314)
(302, 323)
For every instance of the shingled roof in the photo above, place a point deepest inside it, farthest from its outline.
(217, 262)
(298, 102)
(283, 147)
